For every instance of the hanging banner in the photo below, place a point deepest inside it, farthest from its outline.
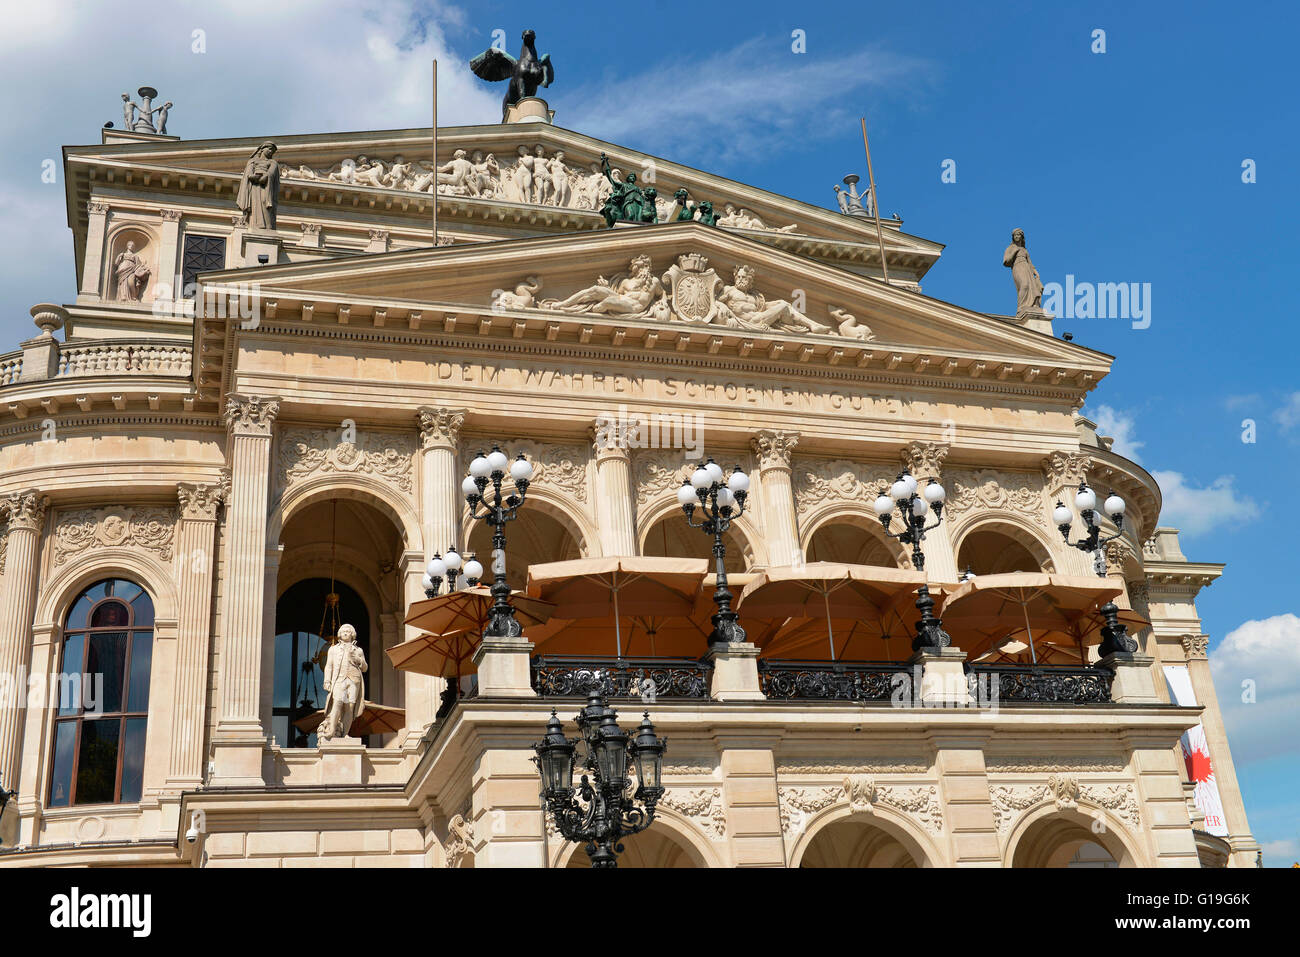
(1196, 752)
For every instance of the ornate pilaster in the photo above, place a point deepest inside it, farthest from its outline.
(92, 266)
(26, 516)
(168, 253)
(774, 450)
(924, 460)
(615, 505)
(237, 742)
(195, 560)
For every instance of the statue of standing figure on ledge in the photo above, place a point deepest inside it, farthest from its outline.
(1029, 287)
(259, 188)
(344, 688)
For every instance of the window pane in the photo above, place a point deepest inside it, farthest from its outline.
(97, 762)
(65, 737)
(125, 590)
(69, 691)
(133, 760)
(283, 671)
(141, 657)
(77, 617)
(107, 658)
(111, 614)
(142, 609)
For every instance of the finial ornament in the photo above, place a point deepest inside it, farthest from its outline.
(139, 117)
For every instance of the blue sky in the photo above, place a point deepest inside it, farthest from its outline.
(1122, 166)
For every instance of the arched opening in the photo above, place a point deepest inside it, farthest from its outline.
(856, 843)
(852, 541)
(131, 274)
(994, 551)
(102, 701)
(672, 537)
(1066, 841)
(534, 538)
(654, 847)
(347, 547)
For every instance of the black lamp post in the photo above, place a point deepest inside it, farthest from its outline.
(603, 813)
(722, 501)
(914, 508)
(497, 511)
(1085, 500)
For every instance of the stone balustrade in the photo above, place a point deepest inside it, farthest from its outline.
(11, 368)
(124, 358)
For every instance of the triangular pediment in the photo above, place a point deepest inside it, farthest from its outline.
(673, 283)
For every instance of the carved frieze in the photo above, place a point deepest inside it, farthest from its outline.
(387, 456)
(703, 806)
(148, 528)
(817, 481)
(1026, 763)
(561, 466)
(991, 489)
(657, 471)
(862, 794)
(900, 766)
(1065, 791)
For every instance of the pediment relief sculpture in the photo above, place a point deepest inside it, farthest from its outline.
(690, 291)
(531, 177)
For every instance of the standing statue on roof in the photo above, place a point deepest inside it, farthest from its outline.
(525, 74)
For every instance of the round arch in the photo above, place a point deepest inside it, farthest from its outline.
(668, 826)
(1018, 530)
(824, 517)
(147, 246)
(657, 510)
(1038, 838)
(563, 510)
(358, 488)
(150, 574)
(882, 817)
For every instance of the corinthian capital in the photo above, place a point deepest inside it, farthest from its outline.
(1196, 646)
(251, 414)
(774, 448)
(25, 509)
(1065, 468)
(440, 428)
(924, 460)
(199, 502)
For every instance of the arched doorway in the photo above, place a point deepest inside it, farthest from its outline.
(994, 551)
(672, 537)
(856, 843)
(654, 847)
(1068, 840)
(852, 541)
(301, 615)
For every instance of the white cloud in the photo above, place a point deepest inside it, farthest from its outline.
(1120, 427)
(1281, 853)
(1195, 510)
(1265, 653)
(1287, 415)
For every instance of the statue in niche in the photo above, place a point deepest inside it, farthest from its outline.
(639, 293)
(344, 688)
(259, 188)
(750, 309)
(525, 74)
(1029, 287)
(131, 274)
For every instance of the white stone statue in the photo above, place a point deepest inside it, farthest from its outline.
(1029, 287)
(752, 310)
(259, 188)
(131, 274)
(637, 294)
(523, 297)
(459, 172)
(344, 688)
(849, 326)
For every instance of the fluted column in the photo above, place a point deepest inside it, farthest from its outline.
(237, 743)
(615, 506)
(26, 516)
(1062, 473)
(195, 560)
(776, 495)
(924, 461)
(440, 504)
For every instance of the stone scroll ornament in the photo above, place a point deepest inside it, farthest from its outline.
(525, 74)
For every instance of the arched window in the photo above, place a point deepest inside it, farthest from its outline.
(103, 696)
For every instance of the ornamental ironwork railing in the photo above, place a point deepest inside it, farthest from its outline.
(829, 680)
(1042, 684)
(649, 679)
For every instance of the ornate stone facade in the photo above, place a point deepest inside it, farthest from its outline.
(79, 531)
(383, 455)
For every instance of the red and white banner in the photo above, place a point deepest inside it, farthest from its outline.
(1196, 752)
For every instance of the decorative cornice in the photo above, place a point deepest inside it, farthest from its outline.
(774, 448)
(25, 510)
(1196, 646)
(200, 501)
(440, 428)
(924, 460)
(251, 415)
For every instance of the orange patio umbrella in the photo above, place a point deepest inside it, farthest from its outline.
(443, 656)
(470, 610)
(374, 719)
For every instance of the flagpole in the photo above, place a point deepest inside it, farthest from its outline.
(434, 194)
(875, 201)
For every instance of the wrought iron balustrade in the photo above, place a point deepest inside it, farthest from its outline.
(829, 680)
(1042, 684)
(648, 679)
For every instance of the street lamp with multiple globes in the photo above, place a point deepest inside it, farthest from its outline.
(722, 500)
(604, 812)
(496, 510)
(1085, 500)
(914, 508)
(448, 566)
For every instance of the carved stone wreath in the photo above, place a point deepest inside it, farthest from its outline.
(84, 530)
